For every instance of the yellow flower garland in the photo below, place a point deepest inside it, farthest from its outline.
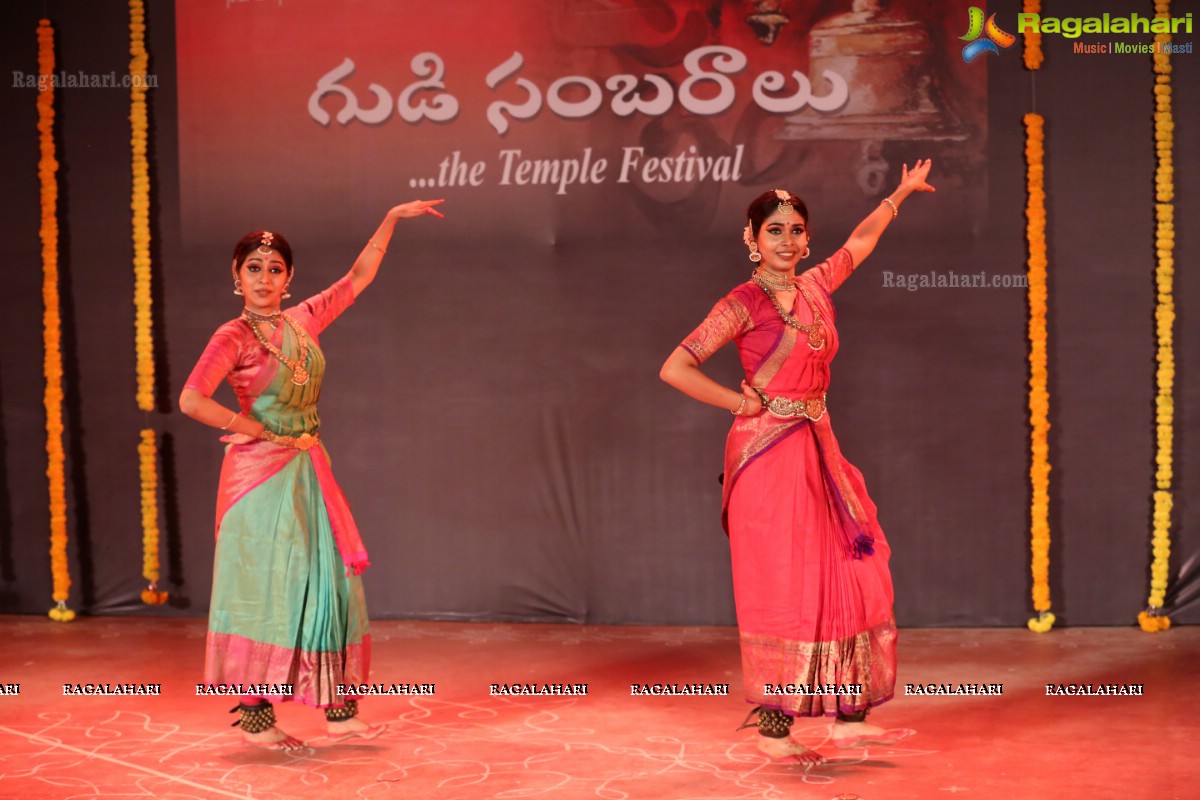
(1039, 396)
(143, 319)
(52, 326)
(140, 204)
(148, 467)
(1152, 619)
(1033, 38)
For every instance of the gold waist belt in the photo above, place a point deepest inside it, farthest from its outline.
(302, 442)
(812, 408)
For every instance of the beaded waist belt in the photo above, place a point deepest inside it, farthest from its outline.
(812, 408)
(302, 442)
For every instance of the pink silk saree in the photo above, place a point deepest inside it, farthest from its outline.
(810, 576)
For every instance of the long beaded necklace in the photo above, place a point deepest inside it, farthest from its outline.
(299, 373)
(816, 331)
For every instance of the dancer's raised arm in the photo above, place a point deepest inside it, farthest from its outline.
(864, 237)
(367, 264)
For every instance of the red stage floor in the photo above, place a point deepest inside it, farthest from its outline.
(463, 742)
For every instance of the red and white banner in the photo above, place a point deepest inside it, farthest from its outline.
(602, 113)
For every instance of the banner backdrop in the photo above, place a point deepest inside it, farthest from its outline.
(563, 118)
(493, 404)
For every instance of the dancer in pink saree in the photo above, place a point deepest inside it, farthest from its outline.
(810, 575)
(287, 620)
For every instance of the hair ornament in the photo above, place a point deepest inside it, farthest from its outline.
(785, 201)
(748, 238)
(266, 243)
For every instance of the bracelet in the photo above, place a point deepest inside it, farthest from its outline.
(895, 210)
(377, 247)
(737, 412)
(232, 420)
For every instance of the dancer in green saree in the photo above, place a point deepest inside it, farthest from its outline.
(288, 620)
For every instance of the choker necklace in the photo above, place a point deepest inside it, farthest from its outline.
(299, 373)
(763, 278)
(272, 318)
(816, 331)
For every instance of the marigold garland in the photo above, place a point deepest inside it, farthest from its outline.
(52, 326)
(140, 204)
(148, 469)
(1152, 618)
(1039, 396)
(142, 301)
(1033, 38)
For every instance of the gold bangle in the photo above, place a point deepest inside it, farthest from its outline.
(232, 420)
(377, 247)
(895, 211)
(737, 412)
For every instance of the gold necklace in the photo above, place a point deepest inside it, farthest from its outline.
(299, 373)
(272, 318)
(816, 331)
(764, 278)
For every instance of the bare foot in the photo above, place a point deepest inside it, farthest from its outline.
(784, 749)
(272, 739)
(353, 728)
(860, 734)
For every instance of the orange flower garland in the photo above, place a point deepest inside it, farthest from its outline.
(1039, 396)
(52, 326)
(148, 467)
(1033, 38)
(1153, 619)
(140, 203)
(142, 301)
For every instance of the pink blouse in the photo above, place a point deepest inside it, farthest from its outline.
(235, 354)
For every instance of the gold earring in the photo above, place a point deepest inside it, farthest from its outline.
(237, 287)
(755, 256)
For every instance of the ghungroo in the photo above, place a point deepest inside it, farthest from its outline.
(773, 723)
(342, 713)
(254, 718)
(852, 716)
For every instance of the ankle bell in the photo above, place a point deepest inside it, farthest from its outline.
(254, 718)
(342, 713)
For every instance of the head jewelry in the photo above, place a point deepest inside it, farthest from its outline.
(785, 201)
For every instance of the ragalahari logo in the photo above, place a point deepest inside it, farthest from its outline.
(996, 37)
